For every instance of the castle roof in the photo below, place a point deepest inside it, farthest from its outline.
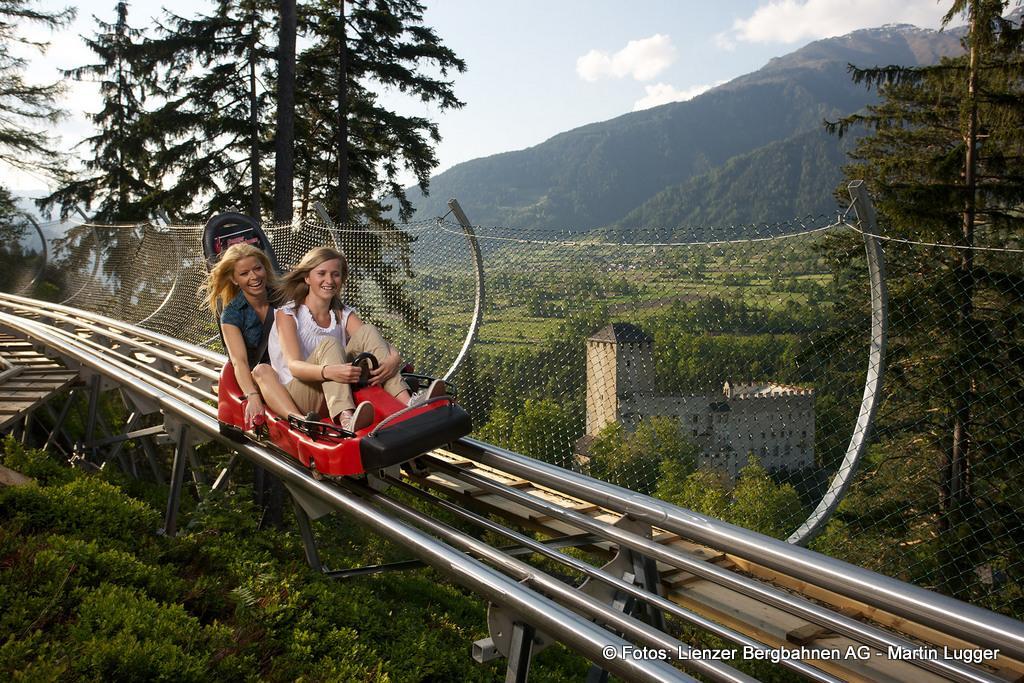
(621, 333)
(767, 390)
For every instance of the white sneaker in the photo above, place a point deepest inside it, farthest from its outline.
(436, 388)
(360, 419)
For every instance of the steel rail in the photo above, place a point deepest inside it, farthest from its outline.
(105, 331)
(128, 362)
(129, 376)
(581, 634)
(572, 598)
(801, 607)
(186, 347)
(595, 573)
(947, 615)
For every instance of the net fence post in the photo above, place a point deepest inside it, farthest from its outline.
(478, 271)
(815, 522)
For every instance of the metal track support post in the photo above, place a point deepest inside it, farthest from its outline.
(26, 427)
(55, 431)
(195, 466)
(58, 424)
(225, 474)
(308, 540)
(151, 456)
(118, 446)
(92, 412)
(646, 571)
(177, 480)
(520, 653)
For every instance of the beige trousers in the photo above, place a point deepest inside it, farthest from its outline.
(309, 396)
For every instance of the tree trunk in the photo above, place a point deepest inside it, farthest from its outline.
(341, 122)
(254, 129)
(284, 140)
(955, 484)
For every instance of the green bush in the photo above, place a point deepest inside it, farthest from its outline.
(88, 592)
(125, 636)
(37, 464)
(86, 507)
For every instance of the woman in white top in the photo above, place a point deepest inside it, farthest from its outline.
(315, 337)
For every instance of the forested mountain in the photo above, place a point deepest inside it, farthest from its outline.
(791, 178)
(605, 173)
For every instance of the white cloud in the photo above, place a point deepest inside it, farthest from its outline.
(724, 41)
(663, 93)
(792, 21)
(641, 60)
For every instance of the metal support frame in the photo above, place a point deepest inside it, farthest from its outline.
(120, 440)
(520, 653)
(149, 448)
(141, 406)
(478, 304)
(815, 522)
(181, 454)
(133, 419)
(92, 411)
(18, 431)
(57, 429)
(10, 370)
(225, 474)
(198, 477)
(308, 540)
(633, 568)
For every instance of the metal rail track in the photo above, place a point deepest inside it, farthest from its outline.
(769, 579)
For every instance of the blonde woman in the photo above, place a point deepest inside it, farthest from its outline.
(239, 284)
(315, 337)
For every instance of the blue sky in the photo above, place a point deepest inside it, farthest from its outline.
(540, 67)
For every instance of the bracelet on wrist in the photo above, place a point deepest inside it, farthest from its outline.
(323, 369)
(255, 392)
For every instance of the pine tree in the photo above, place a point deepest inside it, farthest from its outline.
(363, 147)
(24, 105)
(350, 149)
(123, 176)
(216, 118)
(944, 163)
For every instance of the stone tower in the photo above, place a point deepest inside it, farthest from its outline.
(620, 364)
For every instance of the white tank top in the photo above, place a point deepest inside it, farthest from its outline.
(310, 335)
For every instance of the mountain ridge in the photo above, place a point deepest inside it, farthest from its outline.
(599, 173)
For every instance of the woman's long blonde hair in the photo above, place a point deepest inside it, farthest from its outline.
(293, 285)
(219, 289)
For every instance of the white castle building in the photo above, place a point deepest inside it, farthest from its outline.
(773, 421)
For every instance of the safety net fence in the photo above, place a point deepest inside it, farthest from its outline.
(720, 369)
